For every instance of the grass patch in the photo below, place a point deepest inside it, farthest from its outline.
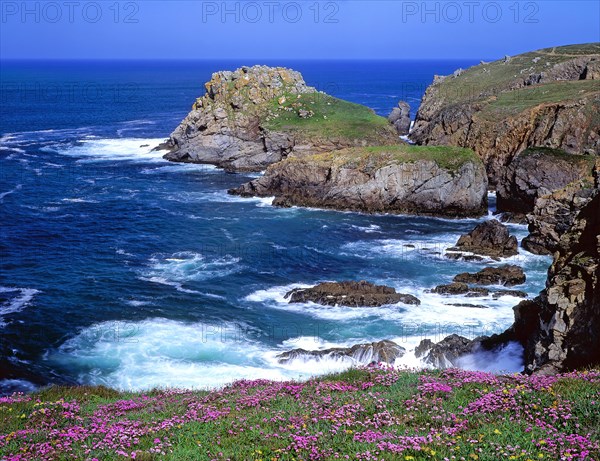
(321, 115)
(369, 413)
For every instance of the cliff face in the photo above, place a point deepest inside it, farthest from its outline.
(565, 334)
(547, 98)
(256, 116)
(394, 179)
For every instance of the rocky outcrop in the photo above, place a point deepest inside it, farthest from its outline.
(390, 179)
(382, 351)
(490, 238)
(555, 213)
(353, 294)
(460, 288)
(445, 354)
(255, 116)
(561, 327)
(400, 118)
(507, 275)
(537, 172)
(547, 98)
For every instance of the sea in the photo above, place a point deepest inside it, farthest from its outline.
(119, 268)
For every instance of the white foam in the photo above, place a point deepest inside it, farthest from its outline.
(219, 197)
(12, 149)
(129, 149)
(370, 229)
(508, 359)
(188, 266)
(17, 303)
(12, 191)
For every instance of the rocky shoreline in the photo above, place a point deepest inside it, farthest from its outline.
(528, 128)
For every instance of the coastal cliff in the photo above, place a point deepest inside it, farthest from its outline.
(548, 98)
(440, 181)
(255, 116)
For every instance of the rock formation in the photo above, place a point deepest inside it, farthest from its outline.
(354, 294)
(547, 98)
(256, 116)
(536, 172)
(507, 275)
(400, 118)
(490, 238)
(382, 351)
(390, 179)
(445, 354)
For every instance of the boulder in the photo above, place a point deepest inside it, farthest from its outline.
(490, 238)
(446, 353)
(353, 294)
(507, 275)
(400, 118)
(382, 351)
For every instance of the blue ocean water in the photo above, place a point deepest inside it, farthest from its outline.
(120, 268)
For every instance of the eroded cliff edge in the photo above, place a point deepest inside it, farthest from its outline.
(548, 98)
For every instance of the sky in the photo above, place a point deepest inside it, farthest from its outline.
(269, 29)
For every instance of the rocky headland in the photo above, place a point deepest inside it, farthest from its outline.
(441, 181)
(546, 98)
(255, 116)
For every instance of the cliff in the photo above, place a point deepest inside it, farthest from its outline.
(442, 181)
(548, 98)
(256, 116)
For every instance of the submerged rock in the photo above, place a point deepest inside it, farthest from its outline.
(508, 275)
(382, 351)
(353, 294)
(490, 238)
(390, 179)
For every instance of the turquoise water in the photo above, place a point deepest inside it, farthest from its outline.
(120, 268)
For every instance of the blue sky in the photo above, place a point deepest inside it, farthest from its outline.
(342, 29)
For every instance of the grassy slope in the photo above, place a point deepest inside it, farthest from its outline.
(448, 157)
(475, 84)
(367, 414)
(331, 117)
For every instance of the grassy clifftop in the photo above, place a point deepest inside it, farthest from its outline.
(367, 414)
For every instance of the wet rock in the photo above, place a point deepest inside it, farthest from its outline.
(446, 353)
(353, 294)
(400, 118)
(382, 351)
(490, 238)
(508, 275)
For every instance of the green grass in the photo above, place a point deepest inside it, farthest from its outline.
(561, 155)
(330, 117)
(368, 414)
(369, 158)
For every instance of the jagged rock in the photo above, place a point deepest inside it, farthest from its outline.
(490, 238)
(536, 172)
(502, 111)
(353, 294)
(555, 213)
(451, 289)
(255, 116)
(390, 179)
(446, 353)
(507, 275)
(400, 118)
(382, 351)
(516, 293)
(560, 329)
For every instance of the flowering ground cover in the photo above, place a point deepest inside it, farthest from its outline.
(372, 413)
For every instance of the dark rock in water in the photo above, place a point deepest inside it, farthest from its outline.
(451, 289)
(490, 238)
(446, 353)
(382, 351)
(353, 294)
(507, 275)
(474, 306)
(536, 172)
(515, 293)
(457, 255)
(423, 347)
(400, 118)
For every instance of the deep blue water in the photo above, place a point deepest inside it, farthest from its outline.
(120, 268)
